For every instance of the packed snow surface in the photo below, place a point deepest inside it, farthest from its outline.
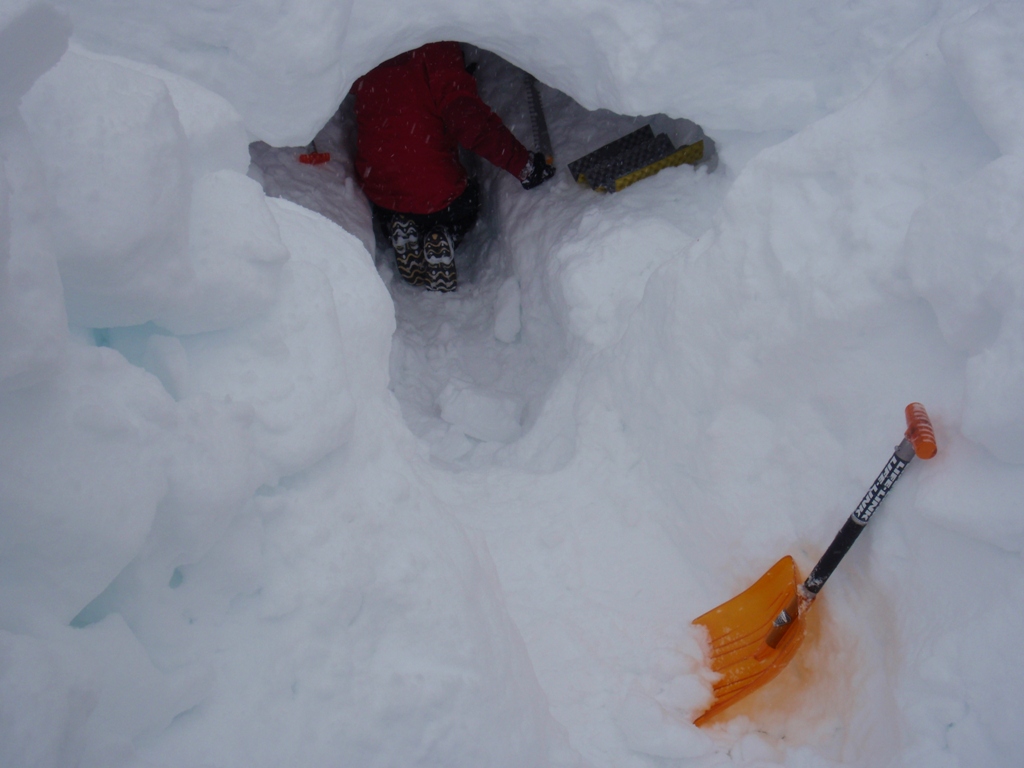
(263, 504)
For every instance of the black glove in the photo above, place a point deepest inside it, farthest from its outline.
(536, 171)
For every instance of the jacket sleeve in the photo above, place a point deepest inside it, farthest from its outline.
(473, 124)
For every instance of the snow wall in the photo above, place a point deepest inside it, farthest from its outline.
(221, 544)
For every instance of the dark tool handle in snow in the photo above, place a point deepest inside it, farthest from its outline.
(919, 440)
(541, 139)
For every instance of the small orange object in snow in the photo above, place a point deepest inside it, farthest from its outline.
(314, 158)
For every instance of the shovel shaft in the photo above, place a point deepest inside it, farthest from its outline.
(861, 515)
(539, 126)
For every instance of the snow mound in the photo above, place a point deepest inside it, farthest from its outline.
(263, 504)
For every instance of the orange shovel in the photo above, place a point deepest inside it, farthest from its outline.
(755, 634)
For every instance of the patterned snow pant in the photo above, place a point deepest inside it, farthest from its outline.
(425, 243)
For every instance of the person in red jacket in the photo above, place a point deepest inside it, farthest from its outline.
(412, 114)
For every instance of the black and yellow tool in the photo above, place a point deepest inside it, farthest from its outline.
(635, 156)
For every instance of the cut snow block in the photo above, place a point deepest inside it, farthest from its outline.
(236, 257)
(83, 466)
(117, 162)
(217, 138)
(33, 323)
(30, 44)
(631, 158)
(289, 366)
(482, 415)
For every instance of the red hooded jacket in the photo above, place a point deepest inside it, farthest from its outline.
(412, 112)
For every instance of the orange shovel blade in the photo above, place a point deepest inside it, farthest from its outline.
(738, 630)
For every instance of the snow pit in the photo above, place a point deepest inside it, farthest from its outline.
(263, 504)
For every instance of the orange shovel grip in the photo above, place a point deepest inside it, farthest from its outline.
(920, 432)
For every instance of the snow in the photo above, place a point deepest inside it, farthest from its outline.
(261, 503)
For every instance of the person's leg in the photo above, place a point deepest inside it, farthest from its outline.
(458, 218)
(439, 255)
(404, 234)
(444, 231)
(429, 259)
(461, 215)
